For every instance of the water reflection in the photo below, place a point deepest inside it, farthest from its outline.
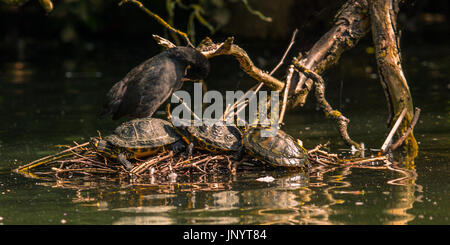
(323, 196)
(18, 72)
(405, 194)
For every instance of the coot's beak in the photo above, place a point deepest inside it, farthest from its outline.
(185, 79)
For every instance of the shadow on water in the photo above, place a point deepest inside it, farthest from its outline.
(51, 104)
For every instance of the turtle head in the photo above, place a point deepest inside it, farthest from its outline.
(197, 65)
(97, 143)
(101, 146)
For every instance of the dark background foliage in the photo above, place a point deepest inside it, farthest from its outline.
(84, 25)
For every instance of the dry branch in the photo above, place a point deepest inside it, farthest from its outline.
(400, 141)
(159, 19)
(340, 119)
(351, 24)
(383, 14)
(285, 95)
(257, 87)
(210, 49)
(392, 132)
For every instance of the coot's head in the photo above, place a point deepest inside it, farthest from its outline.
(198, 64)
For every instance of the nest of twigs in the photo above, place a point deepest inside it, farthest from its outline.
(81, 160)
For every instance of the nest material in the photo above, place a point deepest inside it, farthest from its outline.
(82, 160)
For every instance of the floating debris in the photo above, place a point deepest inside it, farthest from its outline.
(266, 179)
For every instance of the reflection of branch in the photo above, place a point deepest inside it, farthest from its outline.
(410, 175)
(329, 112)
(159, 19)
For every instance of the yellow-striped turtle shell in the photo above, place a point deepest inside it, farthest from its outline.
(275, 148)
(143, 133)
(213, 136)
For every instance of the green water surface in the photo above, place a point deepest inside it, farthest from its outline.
(53, 101)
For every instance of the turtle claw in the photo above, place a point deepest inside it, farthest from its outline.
(190, 149)
(178, 147)
(124, 161)
(240, 154)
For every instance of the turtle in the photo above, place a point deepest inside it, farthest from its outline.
(212, 135)
(276, 148)
(147, 86)
(138, 138)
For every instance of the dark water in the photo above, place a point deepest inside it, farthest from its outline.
(50, 102)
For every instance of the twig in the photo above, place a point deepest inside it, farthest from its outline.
(285, 52)
(350, 25)
(190, 159)
(315, 148)
(91, 161)
(257, 87)
(408, 131)
(286, 92)
(256, 12)
(144, 166)
(341, 120)
(185, 105)
(323, 153)
(210, 49)
(159, 19)
(194, 164)
(92, 170)
(393, 130)
(163, 42)
(378, 158)
(50, 158)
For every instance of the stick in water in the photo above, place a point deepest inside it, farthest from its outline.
(286, 91)
(391, 133)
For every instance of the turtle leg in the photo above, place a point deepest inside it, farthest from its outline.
(178, 146)
(124, 161)
(190, 149)
(240, 154)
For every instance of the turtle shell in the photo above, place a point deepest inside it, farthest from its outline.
(280, 149)
(217, 136)
(143, 133)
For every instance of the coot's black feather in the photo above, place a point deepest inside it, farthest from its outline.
(145, 88)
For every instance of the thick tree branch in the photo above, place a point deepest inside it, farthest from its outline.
(210, 49)
(383, 20)
(351, 24)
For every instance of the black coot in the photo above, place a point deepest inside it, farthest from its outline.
(145, 88)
